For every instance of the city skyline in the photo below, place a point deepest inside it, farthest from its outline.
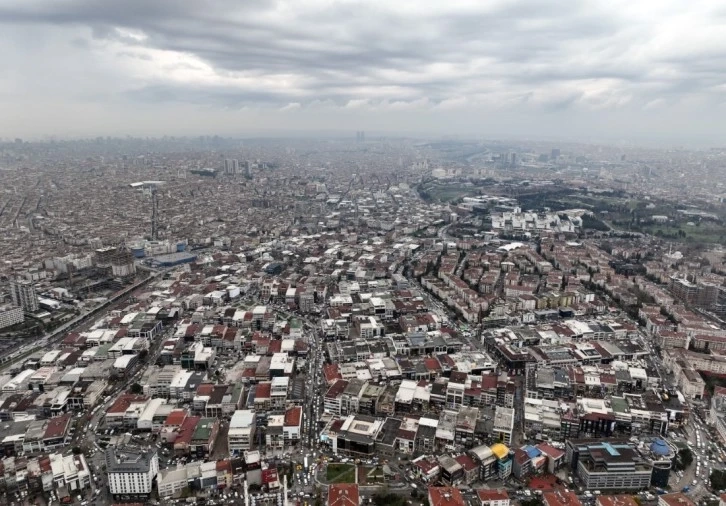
(604, 70)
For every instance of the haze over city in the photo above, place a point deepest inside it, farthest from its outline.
(650, 71)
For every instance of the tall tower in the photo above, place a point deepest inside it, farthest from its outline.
(284, 492)
(231, 166)
(154, 214)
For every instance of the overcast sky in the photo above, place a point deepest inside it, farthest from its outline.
(617, 69)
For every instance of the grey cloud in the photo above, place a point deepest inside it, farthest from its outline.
(535, 55)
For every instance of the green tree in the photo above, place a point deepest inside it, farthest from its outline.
(685, 458)
(718, 479)
(136, 389)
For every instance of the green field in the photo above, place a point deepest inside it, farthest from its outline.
(706, 232)
(446, 192)
(340, 473)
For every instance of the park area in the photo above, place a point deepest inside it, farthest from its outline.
(340, 473)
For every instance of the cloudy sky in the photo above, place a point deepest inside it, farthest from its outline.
(616, 69)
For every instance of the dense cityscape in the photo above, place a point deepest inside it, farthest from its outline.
(362, 253)
(362, 319)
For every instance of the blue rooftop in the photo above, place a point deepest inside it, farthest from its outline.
(610, 449)
(660, 447)
(532, 451)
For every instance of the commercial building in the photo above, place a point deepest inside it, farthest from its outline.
(608, 465)
(131, 472)
(70, 471)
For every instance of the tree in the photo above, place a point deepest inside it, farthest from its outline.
(388, 499)
(685, 458)
(77, 450)
(718, 479)
(136, 389)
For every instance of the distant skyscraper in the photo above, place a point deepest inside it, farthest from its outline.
(231, 166)
(360, 136)
(23, 295)
(555, 153)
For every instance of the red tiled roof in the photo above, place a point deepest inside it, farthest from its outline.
(275, 346)
(445, 496)
(263, 390)
(489, 382)
(175, 418)
(550, 451)
(676, 499)
(192, 330)
(205, 389)
(57, 426)
(561, 498)
(432, 364)
(44, 463)
(616, 500)
(124, 401)
(71, 339)
(293, 416)
(343, 494)
(487, 495)
(408, 435)
(426, 465)
(466, 462)
(332, 373)
(336, 389)
(230, 334)
(186, 431)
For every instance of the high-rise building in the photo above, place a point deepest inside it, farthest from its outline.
(555, 153)
(23, 295)
(231, 166)
(131, 471)
(360, 136)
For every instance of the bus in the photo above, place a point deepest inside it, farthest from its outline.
(306, 462)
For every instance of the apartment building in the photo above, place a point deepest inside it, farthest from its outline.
(131, 472)
(241, 431)
(23, 295)
(10, 315)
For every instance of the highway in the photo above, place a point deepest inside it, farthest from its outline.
(11, 354)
